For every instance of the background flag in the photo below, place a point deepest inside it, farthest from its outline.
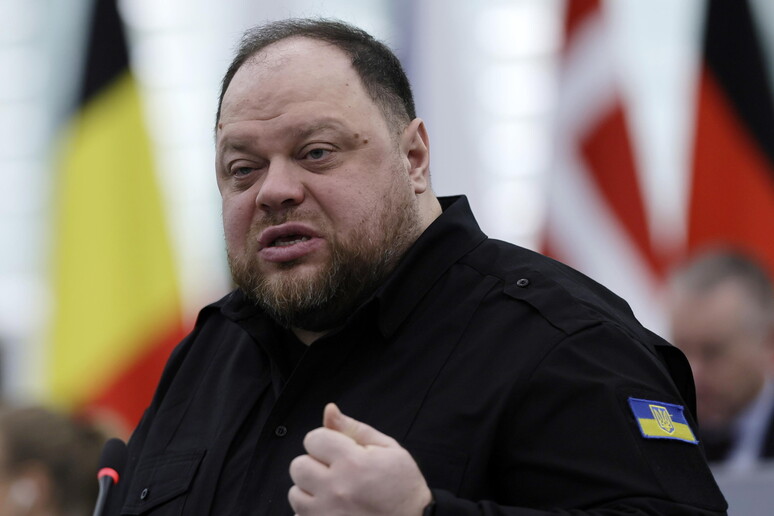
(732, 192)
(596, 219)
(116, 307)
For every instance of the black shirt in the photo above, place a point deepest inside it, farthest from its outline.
(506, 375)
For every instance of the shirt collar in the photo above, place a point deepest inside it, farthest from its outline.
(452, 235)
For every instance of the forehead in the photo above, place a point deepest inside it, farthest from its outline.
(718, 314)
(313, 55)
(293, 71)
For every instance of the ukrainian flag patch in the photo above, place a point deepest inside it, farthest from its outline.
(658, 420)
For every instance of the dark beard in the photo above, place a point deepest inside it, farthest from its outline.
(354, 273)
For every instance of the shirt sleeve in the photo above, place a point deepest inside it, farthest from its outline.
(574, 442)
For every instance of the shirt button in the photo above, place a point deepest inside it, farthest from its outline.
(281, 431)
(523, 282)
(144, 494)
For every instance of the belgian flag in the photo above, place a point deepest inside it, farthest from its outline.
(116, 310)
(732, 193)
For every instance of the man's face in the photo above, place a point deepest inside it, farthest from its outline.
(727, 349)
(318, 200)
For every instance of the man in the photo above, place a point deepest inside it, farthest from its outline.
(723, 320)
(452, 374)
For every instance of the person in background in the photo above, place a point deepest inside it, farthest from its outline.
(48, 463)
(722, 318)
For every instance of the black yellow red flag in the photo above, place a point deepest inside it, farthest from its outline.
(116, 305)
(732, 188)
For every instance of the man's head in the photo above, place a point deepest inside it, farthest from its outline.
(379, 70)
(722, 318)
(324, 179)
(47, 462)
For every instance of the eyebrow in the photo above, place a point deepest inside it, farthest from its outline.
(316, 127)
(301, 131)
(241, 145)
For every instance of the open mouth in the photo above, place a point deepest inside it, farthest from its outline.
(289, 240)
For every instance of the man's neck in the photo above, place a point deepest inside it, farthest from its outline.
(306, 336)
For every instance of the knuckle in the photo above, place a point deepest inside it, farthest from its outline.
(402, 455)
(318, 433)
(355, 462)
(342, 493)
(311, 437)
(293, 497)
(296, 465)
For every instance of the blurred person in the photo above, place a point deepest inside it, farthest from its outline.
(48, 463)
(722, 318)
(381, 355)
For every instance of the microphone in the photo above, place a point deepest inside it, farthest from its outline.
(111, 462)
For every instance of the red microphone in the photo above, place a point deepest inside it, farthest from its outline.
(111, 462)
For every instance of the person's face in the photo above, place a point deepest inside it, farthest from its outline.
(728, 352)
(319, 198)
(21, 492)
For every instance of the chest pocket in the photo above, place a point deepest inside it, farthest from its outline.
(161, 482)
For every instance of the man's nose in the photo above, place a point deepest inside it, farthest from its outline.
(281, 187)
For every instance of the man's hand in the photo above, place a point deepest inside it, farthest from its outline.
(352, 468)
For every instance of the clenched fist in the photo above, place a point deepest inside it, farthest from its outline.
(353, 469)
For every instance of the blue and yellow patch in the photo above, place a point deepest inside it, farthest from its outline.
(659, 420)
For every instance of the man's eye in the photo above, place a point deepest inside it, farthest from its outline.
(241, 171)
(317, 153)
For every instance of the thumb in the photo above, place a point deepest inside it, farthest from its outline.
(358, 431)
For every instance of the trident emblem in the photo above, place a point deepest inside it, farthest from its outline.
(662, 417)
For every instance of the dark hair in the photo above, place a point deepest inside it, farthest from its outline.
(379, 69)
(708, 269)
(67, 449)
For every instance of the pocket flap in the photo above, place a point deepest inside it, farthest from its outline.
(161, 478)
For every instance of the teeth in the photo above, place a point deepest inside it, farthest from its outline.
(286, 241)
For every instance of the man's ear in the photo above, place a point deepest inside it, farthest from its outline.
(415, 148)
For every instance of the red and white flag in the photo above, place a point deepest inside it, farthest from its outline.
(596, 219)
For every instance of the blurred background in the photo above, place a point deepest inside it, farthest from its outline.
(616, 136)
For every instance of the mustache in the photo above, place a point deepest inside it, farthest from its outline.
(282, 217)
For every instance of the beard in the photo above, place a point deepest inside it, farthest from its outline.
(357, 266)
